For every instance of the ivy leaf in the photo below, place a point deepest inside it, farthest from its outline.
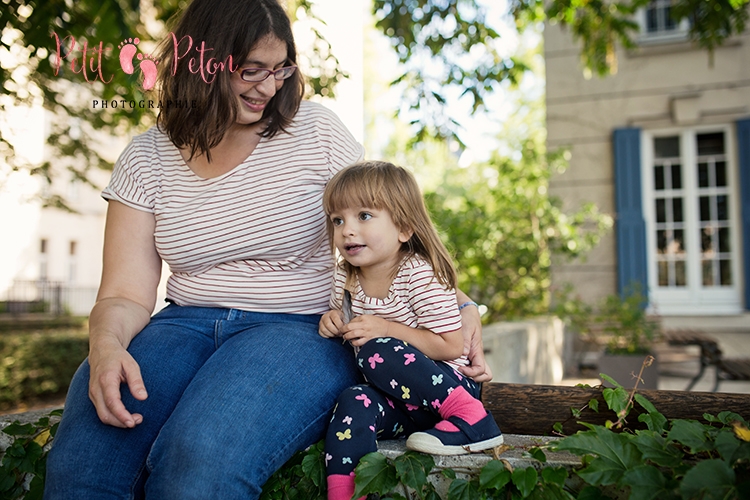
(709, 479)
(730, 448)
(538, 454)
(691, 434)
(461, 489)
(313, 467)
(654, 447)
(615, 454)
(594, 405)
(449, 473)
(412, 469)
(592, 493)
(617, 400)
(18, 429)
(494, 475)
(374, 475)
(646, 483)
(525, 480)
(555, 475)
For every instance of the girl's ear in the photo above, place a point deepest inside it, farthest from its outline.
(405, 235)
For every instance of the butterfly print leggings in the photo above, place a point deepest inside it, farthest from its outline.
(404, 392)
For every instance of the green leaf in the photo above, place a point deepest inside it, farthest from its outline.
(557, 427)
(412, 469)
(594, 405)
(538, 454)
(614, 454)
(609, 379)
(449, 473)
(646, 483)
(555, 475)
(525, 480)
(313, 467)
(617, 400)
(654, 421)
(494, 475)
(645, 403)
(654, 447)
(461, 489)
(374, 475)
(690, 433)
(592, 493)
(709, 479)
(18, 429)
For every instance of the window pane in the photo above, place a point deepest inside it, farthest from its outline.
(663, 273)
(676, 176)
(703, 175)
(669, 23)
(725, 272)
(667, 147)
(678, 244)
(661, 210)
(722, 208)
(724, 243)
(707, 243)
(661, 241)
(679, 273)
(721, 174)
(677, 210)
(652, 23)
(705, 208)
(710, 144)
(708, 273)
(659, 178)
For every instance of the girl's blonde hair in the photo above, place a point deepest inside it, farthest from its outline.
(384, 186)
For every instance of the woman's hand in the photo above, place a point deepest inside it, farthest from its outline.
(471, 322)
(331, 324)
(111, 365)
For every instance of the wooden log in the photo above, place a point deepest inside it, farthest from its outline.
(534, 409)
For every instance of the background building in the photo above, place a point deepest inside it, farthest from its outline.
(664, 144)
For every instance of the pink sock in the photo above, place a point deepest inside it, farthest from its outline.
(463, 405)
(341, 487)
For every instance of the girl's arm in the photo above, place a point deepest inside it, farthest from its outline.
(444, 346)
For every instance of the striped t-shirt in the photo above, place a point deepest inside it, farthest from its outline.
(253, 238)
(415, 299)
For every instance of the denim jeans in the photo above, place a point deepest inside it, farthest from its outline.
(232, 395)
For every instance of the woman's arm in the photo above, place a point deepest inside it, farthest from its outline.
(439, 347)
(471, 322)
(124, 304)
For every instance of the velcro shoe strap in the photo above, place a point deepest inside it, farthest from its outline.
(470, 431)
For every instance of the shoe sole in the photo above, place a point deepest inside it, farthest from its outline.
(427, 443)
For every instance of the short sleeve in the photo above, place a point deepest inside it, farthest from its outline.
(130, 177)
(342, 149)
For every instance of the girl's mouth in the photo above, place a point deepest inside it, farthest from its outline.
(353, 248)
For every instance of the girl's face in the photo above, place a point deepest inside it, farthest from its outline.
(367, 238)
(253, 97)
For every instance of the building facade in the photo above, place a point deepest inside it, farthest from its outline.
(663, 145)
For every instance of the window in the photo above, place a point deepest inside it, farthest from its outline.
(658, 25)
(691, 221)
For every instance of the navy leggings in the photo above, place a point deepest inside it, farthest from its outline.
(404, 392)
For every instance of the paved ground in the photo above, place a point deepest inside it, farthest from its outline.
(678, 365)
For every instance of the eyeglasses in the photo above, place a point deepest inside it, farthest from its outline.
(259, 74)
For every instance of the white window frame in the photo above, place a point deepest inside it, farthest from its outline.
(680, 33)
(693, 299)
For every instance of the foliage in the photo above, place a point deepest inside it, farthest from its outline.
(38, 364)
(621, 324)
(32, 74)
(504, 227)
(23, 465)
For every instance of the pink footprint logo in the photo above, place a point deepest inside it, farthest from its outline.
(128, 49)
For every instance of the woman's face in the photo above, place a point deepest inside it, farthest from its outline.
(253, 97)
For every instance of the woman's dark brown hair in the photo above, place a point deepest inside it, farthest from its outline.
(228, 27)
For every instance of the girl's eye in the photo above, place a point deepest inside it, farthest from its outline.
(337, 221)
(365, 216)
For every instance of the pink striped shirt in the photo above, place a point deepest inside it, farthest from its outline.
(251, 239)
(415, 299)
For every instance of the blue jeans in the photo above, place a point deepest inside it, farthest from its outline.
(232, 395)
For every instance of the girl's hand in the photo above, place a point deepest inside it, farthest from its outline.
(331, 324)
(478, 369)
(363, 328)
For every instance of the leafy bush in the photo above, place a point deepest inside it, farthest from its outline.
(38, 364)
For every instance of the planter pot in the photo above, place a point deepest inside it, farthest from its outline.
(624, 368)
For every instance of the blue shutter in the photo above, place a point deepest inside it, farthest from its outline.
(630, 226)
(743, 148)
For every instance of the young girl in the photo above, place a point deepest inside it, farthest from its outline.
(394, 301)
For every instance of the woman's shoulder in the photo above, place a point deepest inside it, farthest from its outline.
(314, 112)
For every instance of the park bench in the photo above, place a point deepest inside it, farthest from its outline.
(710, 355)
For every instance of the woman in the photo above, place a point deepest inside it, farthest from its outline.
(229, 195)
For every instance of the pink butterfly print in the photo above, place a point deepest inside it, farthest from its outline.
(411, 407)
(372, 428)
(365, 400)
(410, 358)
(374, 359)
(436, 404)
(390, 403)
